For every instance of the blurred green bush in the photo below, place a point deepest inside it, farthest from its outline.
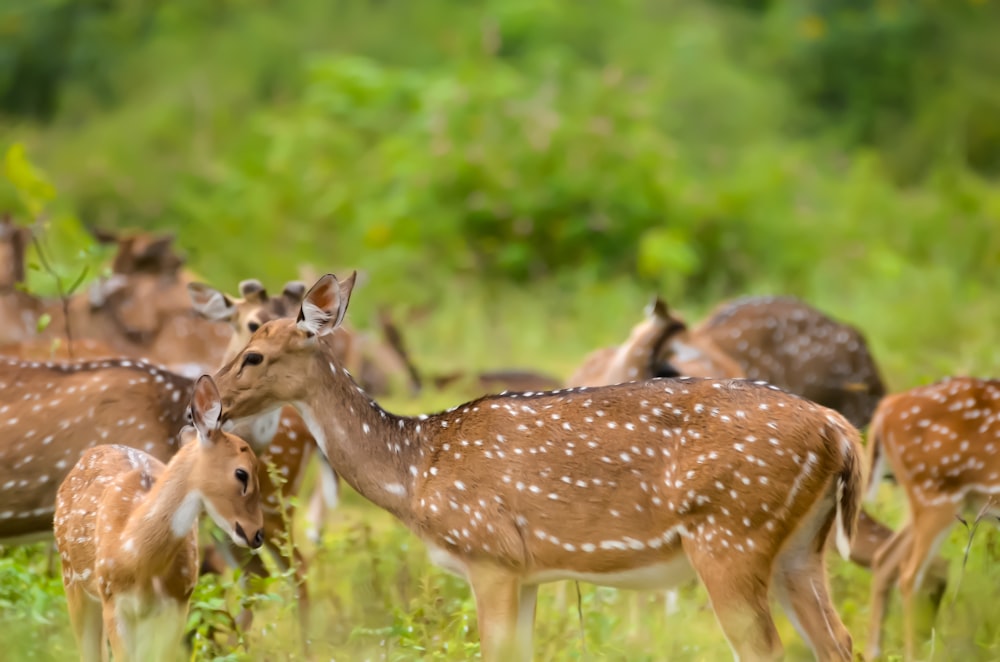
(701, 148)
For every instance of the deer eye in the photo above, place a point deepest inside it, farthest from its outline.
(253, 358)
(243, 477)
(253, 326)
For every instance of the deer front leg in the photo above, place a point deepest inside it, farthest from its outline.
(501, 622)
(738, 591)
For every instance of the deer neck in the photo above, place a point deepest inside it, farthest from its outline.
(162, 524)
(376, 452)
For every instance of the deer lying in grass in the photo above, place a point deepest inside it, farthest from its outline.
(942, 442)
(126, 530)
(636, 485)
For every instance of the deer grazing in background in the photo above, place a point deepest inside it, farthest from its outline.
(126, 530)
(790, 344)
(637, 485)
(942, 442)
(633, 360)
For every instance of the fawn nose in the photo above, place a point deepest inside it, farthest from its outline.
(258, 538)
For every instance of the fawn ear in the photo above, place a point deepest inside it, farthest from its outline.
(210, 303)
(206, 408)
(325, 305)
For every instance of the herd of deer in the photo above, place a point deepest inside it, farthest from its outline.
(728, 452)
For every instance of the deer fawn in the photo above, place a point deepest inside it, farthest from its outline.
(792, 345)
(941, 441)
(637, 485)
(125, 527)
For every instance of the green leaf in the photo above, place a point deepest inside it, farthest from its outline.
(43, 322)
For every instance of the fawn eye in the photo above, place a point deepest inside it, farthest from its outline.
(243, 477)
(253, 326)
(253, 358)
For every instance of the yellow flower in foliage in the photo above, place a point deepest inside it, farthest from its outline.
(812, 27)
(378, 235)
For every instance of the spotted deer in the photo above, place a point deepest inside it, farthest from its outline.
(126, 530)
(637, 485)
(142, 309)
(790, 344)
(53, 411)
(942, 442)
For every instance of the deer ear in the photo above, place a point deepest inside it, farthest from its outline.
(325, 305)
(210, 303)
(253, 290)
(101, 290)
(206, 408)
(294, 291)
(657, 308)
(346, 287)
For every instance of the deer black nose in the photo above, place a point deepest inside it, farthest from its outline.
(258, 539)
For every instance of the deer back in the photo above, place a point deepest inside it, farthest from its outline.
(942, 440)
(790, 344)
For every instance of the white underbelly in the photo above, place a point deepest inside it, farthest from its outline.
(657, 576)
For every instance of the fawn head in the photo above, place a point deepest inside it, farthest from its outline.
(226, 471)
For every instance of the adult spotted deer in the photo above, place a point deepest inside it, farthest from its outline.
(790, 344)
(637, 485)
(943, 444)
(126, 529)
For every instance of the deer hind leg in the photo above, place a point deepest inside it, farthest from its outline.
(88, 627)
(119, 632)
(738, 591)
(885, 571)
(502, 624)
(928, 534)
(801, 588)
